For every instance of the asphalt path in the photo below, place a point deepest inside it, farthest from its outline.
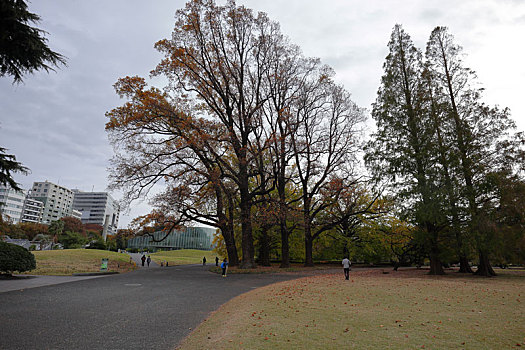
(151, 308)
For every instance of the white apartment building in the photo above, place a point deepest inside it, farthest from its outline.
(57, 200)
(32, 211)
(98, 208)
(11, 204)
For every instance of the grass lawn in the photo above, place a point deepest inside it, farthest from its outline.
(400, 310)
(184, 257)
(69, 261)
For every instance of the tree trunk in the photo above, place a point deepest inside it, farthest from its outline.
(226, 225)
(264, 247)
(464, 266)
(248, 251)
(283, 210)
(436, 267)
(484, 267)
(248, 259)
(231, 248)
(308, 241)
(285, 246)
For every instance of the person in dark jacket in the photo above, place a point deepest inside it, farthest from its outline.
(143, 259)
(224, 267)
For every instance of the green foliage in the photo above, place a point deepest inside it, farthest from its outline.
(71, 240)
(8, 163)
(111, 243)
(15, 258)
(97, 243)
(56, 228)
(23, 49)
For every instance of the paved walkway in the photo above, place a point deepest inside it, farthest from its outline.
(22, 282)
(145, 309)
(136, 258)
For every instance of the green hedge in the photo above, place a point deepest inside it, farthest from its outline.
(15, 258)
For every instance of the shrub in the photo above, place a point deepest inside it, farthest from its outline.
(15, 258)
(72, 240)
(97, 244)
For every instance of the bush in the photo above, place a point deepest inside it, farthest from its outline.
(15, 258)
(97, 244)
(72, 240)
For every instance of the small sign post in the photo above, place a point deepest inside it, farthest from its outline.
(104, 265)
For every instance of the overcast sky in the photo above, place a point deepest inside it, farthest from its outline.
(54, 123)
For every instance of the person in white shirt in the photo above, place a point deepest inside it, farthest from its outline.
(346, 267)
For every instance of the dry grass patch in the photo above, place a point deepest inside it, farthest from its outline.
(399, 310)
(184, 257)
(69, 261)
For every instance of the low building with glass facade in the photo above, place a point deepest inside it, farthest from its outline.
(188, 238)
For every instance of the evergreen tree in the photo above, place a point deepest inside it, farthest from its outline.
(476, 131)
(8, 165)
(403, 148)
(23, 49)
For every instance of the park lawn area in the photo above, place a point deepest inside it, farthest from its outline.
(184, 257)
(69, 261)
(399, 310)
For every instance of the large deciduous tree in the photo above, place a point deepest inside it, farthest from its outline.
(325, 145)
(223, 136)
(219, 55)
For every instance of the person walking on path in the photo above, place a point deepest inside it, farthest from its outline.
(148, 260)
(346, 267)
(143, 259)
(224, 267)
(216, 261)
(203, 261)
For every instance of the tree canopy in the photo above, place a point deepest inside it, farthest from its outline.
(23, 49)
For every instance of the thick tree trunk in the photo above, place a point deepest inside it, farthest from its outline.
(248, 258)
(308, 251)
(231, 248)
(436, 268)
(283, 210)
(285, 246)
(308, 241)
(226, 226)
(248, 251)
(464, 266)
(264, 247)
(484, 267)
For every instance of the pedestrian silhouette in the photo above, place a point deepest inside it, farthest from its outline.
(346, 267)
(216, 261)
(148, 260)
(224, 267)
(203, 261)
(143, 259)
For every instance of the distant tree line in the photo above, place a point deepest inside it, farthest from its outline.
(68, 231)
